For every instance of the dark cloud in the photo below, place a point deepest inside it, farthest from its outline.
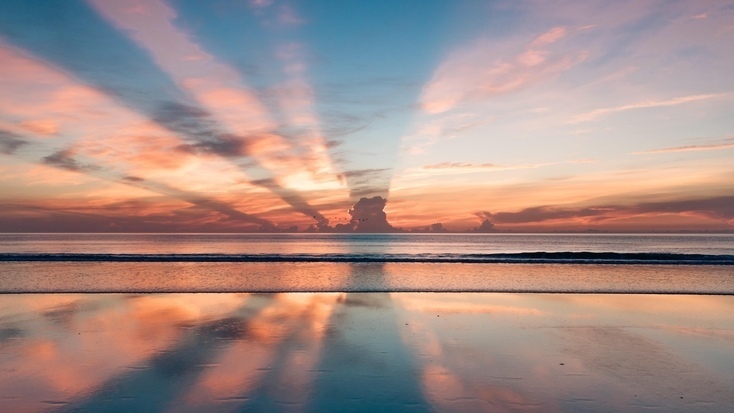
(202, 202)
(197, 125)
(368, 215)
(130, 216)
(265, 182)
(10, 142)
(433, 228)
(485, 227)
(719, 208)
(63, 159)
(360, 173)
(364, 183)
(543, 213)
(226, 146)
(367, 191)
(332, 143)
(200, 130)
(74, 37)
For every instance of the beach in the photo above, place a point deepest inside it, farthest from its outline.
(448, 323)
(376, 206)
(462, 352)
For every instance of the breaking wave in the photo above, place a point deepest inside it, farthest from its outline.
(504, 258)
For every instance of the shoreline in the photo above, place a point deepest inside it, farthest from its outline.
(212, 277)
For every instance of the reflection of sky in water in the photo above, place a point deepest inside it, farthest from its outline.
(138, 277)
(336, 352)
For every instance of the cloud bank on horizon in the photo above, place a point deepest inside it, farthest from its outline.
(230, 116)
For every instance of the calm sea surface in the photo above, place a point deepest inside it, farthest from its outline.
(284, 244)
(130, 263)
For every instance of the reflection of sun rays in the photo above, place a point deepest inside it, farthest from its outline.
(287, 346)
(453, 375)
(132, 329)
(363, 364)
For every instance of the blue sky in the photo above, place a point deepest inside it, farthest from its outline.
(276, 115)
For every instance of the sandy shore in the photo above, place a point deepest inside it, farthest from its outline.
(366, 352)
(184, 277)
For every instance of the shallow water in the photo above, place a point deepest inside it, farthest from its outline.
(457, 352)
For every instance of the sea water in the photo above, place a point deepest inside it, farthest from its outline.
(399, 322)
(598, 263)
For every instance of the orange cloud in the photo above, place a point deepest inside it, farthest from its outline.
(41, 127)
(221, 90)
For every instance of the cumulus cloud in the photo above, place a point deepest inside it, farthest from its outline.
(369, 216)
(486, 226)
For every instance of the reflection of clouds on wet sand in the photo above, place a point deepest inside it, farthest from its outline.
(366, 351)
(364, 364)
(509, 352)
(70, 344)
(652, 368)
(466, 365)
(274, 364)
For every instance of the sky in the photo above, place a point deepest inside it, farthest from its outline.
(377, 116)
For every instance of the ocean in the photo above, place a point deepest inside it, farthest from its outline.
(413, 245)
(362, 323)
(570, 263)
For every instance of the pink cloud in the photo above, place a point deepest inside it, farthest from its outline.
(223, 92)
(41, 127)
(475, 73)
(585, 117)
(727, 143)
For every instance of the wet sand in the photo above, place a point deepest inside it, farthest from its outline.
(184, 277)
(462, 352)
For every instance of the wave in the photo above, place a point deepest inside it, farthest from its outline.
(499, 258)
